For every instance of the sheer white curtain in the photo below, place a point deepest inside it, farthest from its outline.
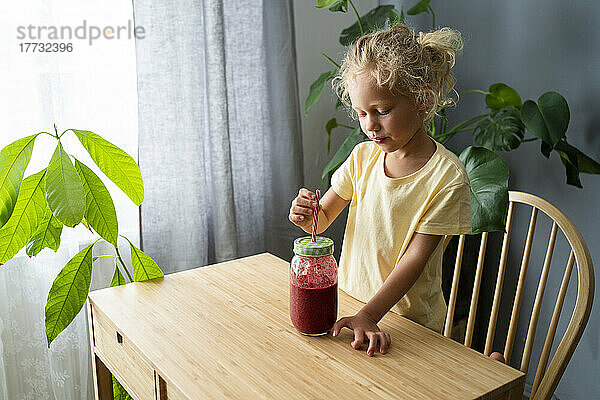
(94, 88)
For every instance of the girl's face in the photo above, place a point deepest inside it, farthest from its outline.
(389, 120)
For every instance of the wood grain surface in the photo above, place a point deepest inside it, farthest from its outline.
(224, 331)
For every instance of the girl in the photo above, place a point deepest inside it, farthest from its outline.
(405, 190)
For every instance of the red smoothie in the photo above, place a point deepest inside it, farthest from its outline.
(313, 310)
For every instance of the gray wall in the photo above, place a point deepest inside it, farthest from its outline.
(534, 47)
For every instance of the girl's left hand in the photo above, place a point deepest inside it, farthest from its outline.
(365, 328)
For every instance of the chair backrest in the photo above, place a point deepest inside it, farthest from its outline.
(546, 380)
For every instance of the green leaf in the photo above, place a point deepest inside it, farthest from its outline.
(548, 119)
(533, 120)
(117, 165)
(488, 174)
(371, 21)
(325, 3)
(47, 235)
(569, 159)
(340, 6)
(14, 159)
(316, 88)
(421, 7)
(26, 216)
(571, 169)
(332, 123)
(584, 163)
(501, 130)
(342, 153)
(119, 392)
(64, 190)
(395, 18)
(575, 162)
(545, 149)
(68, 293)
(555, 110)
(99, 208)
(117, 279)
(144, 267)
(501, 96)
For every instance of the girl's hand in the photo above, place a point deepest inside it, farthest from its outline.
(301, 211)
(365, 328)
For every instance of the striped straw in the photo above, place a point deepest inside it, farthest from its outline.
(316, 217)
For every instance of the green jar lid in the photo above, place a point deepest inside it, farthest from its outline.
(305, 247)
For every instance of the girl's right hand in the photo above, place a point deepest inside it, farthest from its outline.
(301, 211)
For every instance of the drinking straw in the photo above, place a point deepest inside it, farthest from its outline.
(316, 216)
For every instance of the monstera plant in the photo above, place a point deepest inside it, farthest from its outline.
(502, 128)
(34, 210)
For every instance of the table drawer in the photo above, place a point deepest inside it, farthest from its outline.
(122, 358)
(166, 391)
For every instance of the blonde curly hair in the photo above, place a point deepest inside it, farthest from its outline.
(414, 65)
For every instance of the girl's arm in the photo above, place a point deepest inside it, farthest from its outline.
(405, 274)
(302, 207)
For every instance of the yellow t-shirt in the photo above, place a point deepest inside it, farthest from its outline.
(384, 214)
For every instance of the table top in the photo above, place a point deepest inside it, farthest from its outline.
(224, 331)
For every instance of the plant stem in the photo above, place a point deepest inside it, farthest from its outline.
(468, 128)
(64, 132)
(529, 140)
(346, 126)
(48, 133)
(123, 264)
(469, 122)
(106, 255)
(459, 127)
(362, 31)
(333, 62)
(474, 91)
(444, 121)
(433, 16)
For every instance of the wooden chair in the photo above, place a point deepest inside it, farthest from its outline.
(546, 380)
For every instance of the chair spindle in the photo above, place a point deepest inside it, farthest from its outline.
(489, 342)
(535, 313)
(476, 286)
(553, 324)
(514, 318)
(454, 290)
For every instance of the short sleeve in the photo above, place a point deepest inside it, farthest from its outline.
(449, 212)
(343, 179)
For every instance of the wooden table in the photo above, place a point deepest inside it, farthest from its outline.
(224, 332)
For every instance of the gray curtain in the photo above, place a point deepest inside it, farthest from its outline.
(219, 134)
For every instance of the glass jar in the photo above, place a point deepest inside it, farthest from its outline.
(313, 286)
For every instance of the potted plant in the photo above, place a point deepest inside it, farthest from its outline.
(502, 128)
(35, 210)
